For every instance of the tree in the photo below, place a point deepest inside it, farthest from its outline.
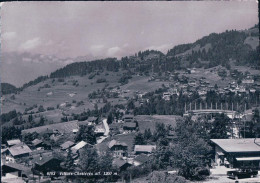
(69, 161)
(220, 127)
(110, 118)
(87, 134)
(139, 139)
(191, 153)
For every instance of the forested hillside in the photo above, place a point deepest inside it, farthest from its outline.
(7, 88)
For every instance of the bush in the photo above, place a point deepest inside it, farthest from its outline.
(101, 80)
(50, 108)
(61, 80)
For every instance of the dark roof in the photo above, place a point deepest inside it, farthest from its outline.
(130, 125)
(142, 158)
(16, 166)
(119, 162)
(92, 119)
(42, 159)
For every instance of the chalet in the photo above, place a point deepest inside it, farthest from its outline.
(119, 148)
(45, 163)
(239, 153)
(13, 142)
(128, 118)
(66, 145)
(120, 164)
(129, 126)
(146, 149)
(166, 96)
(19, 151)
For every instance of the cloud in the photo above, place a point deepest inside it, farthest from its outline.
(96, 49)
(9, 35)
(113, 52)
(30, 44)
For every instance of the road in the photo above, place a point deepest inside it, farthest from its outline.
(106, 132)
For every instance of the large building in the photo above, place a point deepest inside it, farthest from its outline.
(238, 153)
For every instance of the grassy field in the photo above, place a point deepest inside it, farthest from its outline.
(147, 121)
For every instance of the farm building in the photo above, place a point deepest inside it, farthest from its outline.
(146, 149)
(238, 153)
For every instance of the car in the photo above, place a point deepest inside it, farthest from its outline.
(242, 173)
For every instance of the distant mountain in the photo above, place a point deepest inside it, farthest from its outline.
(19, 68)
(7, 88)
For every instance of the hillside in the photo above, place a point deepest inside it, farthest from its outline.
(7, 88)
(215, 49)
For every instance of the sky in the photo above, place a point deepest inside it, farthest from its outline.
(116, 29)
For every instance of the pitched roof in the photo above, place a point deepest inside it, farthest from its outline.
(144, 148)
(67, 144)
(19, 149)
(119, 162)
(115, 142)
(36, 142)
(238, 145)
(79, 145)
(130, 125)
(42, 159)
(13, 142)
(142, 158)
(16, 166)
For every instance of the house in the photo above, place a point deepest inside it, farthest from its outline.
(13, 142)
(120, 164)
(238, 153)
(166, 96)
(129, 126)
(146, 149)
(45, 163)
(119, 148)
(66, 145)
(99, 131)
(93, 119)
(11, 171)
(128, 118)
(19, 151)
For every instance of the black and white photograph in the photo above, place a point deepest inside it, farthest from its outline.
(130, 92)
